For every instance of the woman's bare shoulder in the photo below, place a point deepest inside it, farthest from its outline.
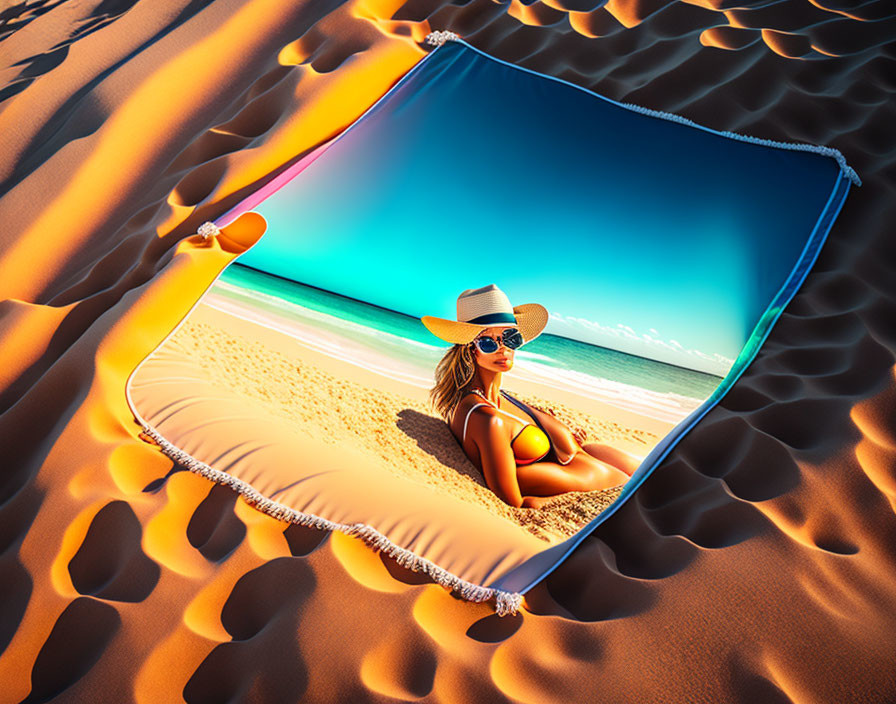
(463, 408)
(487, 424)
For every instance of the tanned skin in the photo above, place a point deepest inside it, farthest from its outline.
(593, 466)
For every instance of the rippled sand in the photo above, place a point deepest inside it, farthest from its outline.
(755, 564)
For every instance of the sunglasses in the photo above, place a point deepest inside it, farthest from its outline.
(511, 338)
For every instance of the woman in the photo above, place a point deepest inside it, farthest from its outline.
(525, 455)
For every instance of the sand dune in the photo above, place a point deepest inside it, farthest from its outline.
(755, 564)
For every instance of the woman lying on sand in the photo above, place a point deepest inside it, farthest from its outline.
(525, 464)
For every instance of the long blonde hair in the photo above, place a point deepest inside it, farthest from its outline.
(453, 375)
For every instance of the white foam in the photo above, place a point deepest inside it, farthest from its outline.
(416, 369)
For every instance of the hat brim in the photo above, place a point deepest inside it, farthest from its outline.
(531, 319)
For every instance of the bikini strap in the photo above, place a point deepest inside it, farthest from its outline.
(519, 404)
(523, 407)
(487, 402)
(467, 419)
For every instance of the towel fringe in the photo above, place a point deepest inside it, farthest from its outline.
(847, 170)
(439, 37)
(505, 602)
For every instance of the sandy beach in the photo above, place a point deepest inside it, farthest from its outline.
(339, 403)
(755, 564)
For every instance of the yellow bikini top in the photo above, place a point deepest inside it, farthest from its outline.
(529, 445)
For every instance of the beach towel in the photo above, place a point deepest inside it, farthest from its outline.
(468, 169)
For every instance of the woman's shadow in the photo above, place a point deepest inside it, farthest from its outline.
(433, 437)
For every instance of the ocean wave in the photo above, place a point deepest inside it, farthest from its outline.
(298, 311)
(413, 362)
(667, 406)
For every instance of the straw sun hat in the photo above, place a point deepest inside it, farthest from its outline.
(480, 308)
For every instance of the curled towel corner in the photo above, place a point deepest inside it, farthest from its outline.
(506, 603)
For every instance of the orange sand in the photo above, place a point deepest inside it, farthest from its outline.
(755, 564)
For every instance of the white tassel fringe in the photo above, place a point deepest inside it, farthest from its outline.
(505, 602)
(439, 37)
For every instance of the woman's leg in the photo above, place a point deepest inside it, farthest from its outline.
(619, 459)
(583, 473)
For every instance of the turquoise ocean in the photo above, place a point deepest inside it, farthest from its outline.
(400, 346)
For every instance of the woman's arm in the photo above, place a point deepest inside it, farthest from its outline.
(492, 437)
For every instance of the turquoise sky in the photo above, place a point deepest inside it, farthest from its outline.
(636, 233)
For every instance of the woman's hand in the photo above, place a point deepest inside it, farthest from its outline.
(565, 446)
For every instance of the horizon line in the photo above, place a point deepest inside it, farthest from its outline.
(413, 317)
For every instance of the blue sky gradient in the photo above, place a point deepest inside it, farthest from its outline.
(637, 233)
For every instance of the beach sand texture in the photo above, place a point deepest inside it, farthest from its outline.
(755, 564)
(219, 366)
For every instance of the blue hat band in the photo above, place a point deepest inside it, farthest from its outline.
(493, 319)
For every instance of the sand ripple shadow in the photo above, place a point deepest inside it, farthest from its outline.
(69, 122)
(17, 16)
(263, 661)
(589, 587)
(214, 529)
(304, 540)
(494, 628)
(752, 686)
(16, 585)
(155, 486)
(110, 563)
(80, 636)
